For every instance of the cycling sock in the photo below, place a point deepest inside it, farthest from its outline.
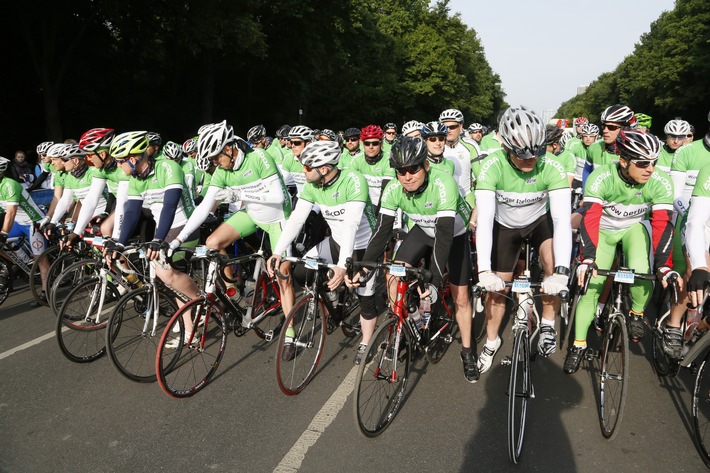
(549, 323)
(580, 343)
(637, 314)
(290, 332)
(465, 350)
(492, 344)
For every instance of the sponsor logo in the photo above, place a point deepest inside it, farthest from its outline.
(333, 213)
(485, 167)
(428, 205)
(530, 180)
(248, 173)
(600, 178)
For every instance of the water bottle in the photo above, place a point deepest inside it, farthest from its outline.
(249, 286)
(425, 311)
(24, 257)
(416, 318)
(692, 319)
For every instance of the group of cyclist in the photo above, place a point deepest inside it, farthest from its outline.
(442, 186)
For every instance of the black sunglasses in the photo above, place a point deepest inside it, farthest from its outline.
(409, 169)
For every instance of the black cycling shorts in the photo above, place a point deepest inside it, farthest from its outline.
(507, 242)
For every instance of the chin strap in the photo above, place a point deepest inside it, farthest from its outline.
(80, 170)
(421, 189)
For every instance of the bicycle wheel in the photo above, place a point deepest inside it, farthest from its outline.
(480, 321)
(185, 362)
(350, 314)
(5, 275)
(382, 379)
(133, 332)
(35, 278)
(441, 326)
(82, 319)
(61, 284)
(520, 390)
(614, 376)
(295, 370)
(59, 267)
(701, 410)
(267, 311)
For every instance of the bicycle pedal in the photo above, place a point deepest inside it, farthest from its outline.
(506, 361)
(591, 355)
(268, 336)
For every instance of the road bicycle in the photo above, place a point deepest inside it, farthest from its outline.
(316, 312)
(15, 254)
(382, 376)
(193, 342)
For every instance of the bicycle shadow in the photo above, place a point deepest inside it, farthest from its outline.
(555, 392)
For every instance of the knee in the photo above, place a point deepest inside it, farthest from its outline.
(368, 308)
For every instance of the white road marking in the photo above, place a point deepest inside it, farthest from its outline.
(29, 344)
(293, 459)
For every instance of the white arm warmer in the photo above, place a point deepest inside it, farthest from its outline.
(293, 225)
(200, 214)
(63, 204)
(353, 216)
(562, 226)
(88, 204)
(698, 217)
(486, 205)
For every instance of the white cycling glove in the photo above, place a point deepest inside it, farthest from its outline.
(554, 284)
(490, 281)
(228, 195)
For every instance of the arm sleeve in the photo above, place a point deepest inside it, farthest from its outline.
(200, 213)
(121, 197)
(561, 224)
(130, 218)
(380, 237)
(62, 205)
(269, 193)
(443, 237)
(588, 168)
(698, 217)
(662, 236)
(678, 178)
(353, 212)
(293, 225)
(590, 229)
(486, 205)
(382, 189)
(88, 204)
(170, 202)
(38, 182)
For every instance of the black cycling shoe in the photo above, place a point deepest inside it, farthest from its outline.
(289, 351)
(470, 367)
(574, 358)
(672, 342)
(637, 328)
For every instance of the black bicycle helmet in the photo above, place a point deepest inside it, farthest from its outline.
(408, 151)
(553, 133)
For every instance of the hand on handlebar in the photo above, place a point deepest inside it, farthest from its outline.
(666, 274)
(337, 275)
(272, 263)
(582, 269)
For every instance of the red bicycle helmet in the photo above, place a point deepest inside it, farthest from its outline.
(371, 132)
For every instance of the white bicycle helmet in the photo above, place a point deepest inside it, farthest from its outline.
(590, 129)
(4, 163)
(677, 127)
(635, 144)
(64, 151)
(522, 132)
(451, 114)
(321, 153)
(410, 126)
(475, 127)
(301, 132)
(190, 145)
(213, 138)
(129, 143)
(256, 133)
(43, 147)
(173, 151)
(618, 114)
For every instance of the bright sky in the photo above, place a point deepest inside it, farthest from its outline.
(544, 49)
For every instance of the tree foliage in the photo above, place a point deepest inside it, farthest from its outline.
(666, 76)
(171, 66)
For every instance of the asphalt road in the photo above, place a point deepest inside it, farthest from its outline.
(59, 416)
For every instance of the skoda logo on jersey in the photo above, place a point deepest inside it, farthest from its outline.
(428, 205)
(638, 194)
(336, 195)
(248, 173)
(530, 180)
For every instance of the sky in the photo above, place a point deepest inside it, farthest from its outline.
(544, 49)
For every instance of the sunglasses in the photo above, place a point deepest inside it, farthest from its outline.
(409, 169)
(676, 137)
(296, 143)
(434, 139)
(611, 127)
(453, 127)
(689, 136)
(390, 133)
(353, 139)
(371, 143)
(644, 163)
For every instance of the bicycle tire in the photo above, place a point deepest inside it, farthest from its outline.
(131, 346)
(35, 278)
(187, 368)
(614, 376)
(68, 279)
(308, 322)
(441, 326)
(5, 288)
(350, 314)
(480, 321)
(701, 410)
(58, 267)
(380, 383)
(267, 308)
(519, 393)
(82, 319)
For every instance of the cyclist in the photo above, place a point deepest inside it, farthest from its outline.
(439, 217)
(202, 177)
(373, 164)
(434, 133)
(352, 147)
(299, 136)
(697, 221)
(676, 131)
(554, 147)
(345, 204)
(412, 128)
(579, 122)
(256, 136)
(390, 137)
(577, 146)
(459, 150)
(327, 135)
(21, 215)
(155, 143)
(614, 118)
(643, 122)
(521, 193)
(687, 163)
(45, 179)
(617, 198)
(174, 152)
(475, 131)
(243, 174)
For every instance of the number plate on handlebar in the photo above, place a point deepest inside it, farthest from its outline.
(311, 263)
(141, 253)
(521, 285)
(98, 241)
(624, 277)
(201, 250)
(398, 270)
